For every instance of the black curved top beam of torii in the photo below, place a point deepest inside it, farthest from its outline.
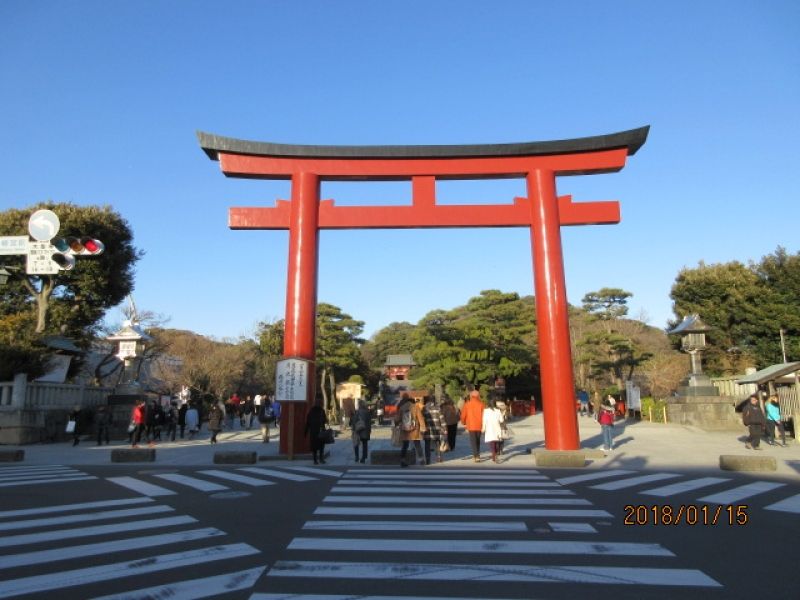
(632, 140)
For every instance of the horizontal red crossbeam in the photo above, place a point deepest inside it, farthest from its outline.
(272, 167)
(517, 214)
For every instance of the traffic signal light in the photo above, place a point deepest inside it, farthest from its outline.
(70, 247)
(65, 262)
(84, 246)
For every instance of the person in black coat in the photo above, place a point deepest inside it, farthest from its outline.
(753, 418)
(316, 420)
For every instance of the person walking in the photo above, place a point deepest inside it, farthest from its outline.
(316, 420)
(247, 418)
(171, 419)
(216, 418)
(276, 413)
(264, 417)
(361, 425)
(753, 418)
(774, 420)
(472, 420)
(451, 415)
(192, 420)
(606, 420)
(583, 400)
(492, 428)
(182, 417)
(434, 428)
(410, 420)
(102, 422)
(138, 422)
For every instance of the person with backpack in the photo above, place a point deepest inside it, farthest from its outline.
(361, 425)
(472, 420)
(434, 428)
(265, 415)
(171, 420)
(753, 418)
(411, 422)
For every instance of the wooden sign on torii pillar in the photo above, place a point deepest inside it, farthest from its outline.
(542, 211)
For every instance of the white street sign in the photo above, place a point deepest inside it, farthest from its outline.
(43, 225)
(291, 380)
(39, 261)
(13, 244)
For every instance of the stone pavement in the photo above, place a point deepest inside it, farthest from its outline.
(639, 445)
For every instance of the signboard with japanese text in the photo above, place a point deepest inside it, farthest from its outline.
(291, 380)
(39, 261)
(13, 244)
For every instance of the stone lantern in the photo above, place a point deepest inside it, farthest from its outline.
(693, 342)
(131, 342)
(698, 402)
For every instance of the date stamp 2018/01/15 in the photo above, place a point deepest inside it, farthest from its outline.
(686, 514)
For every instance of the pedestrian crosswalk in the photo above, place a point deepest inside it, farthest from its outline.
(71, 547)
(26, 475)
(707, 490)
(461, 525)
(154, 484)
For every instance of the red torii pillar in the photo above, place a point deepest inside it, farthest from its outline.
(542, 211)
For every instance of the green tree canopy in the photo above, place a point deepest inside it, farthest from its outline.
(747, 306)
(70, 303)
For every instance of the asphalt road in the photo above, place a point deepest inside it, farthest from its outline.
(297, 532)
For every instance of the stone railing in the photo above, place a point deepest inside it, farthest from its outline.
(34, 411)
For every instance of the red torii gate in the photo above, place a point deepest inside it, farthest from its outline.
(543, 211)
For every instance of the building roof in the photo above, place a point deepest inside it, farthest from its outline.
(400, 360)
(771, 373)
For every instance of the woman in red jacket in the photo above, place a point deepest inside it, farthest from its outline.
(472, 420)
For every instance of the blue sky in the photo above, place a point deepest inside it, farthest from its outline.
(101, 101)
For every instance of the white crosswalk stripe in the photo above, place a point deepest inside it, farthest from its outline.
(604, 575)
(401, 491)
(621, 480)
(251, 481)
(593, 476)
(69, 507)
(277, 474)
(791, 504)
(405, 525)
(316, 471)
(78, 518)
(39, 475)
(479, 546)
(55, 559)
(93, 530)
(427, 499)
(205, 587)
(445, 529)
(634, 481)
(65, 579)
(741, 493)
(142, 487)
(192, 482)
(474, 484)
(170, 484)
(684, 486)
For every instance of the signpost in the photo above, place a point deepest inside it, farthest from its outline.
(291, 387)
(42, 257)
